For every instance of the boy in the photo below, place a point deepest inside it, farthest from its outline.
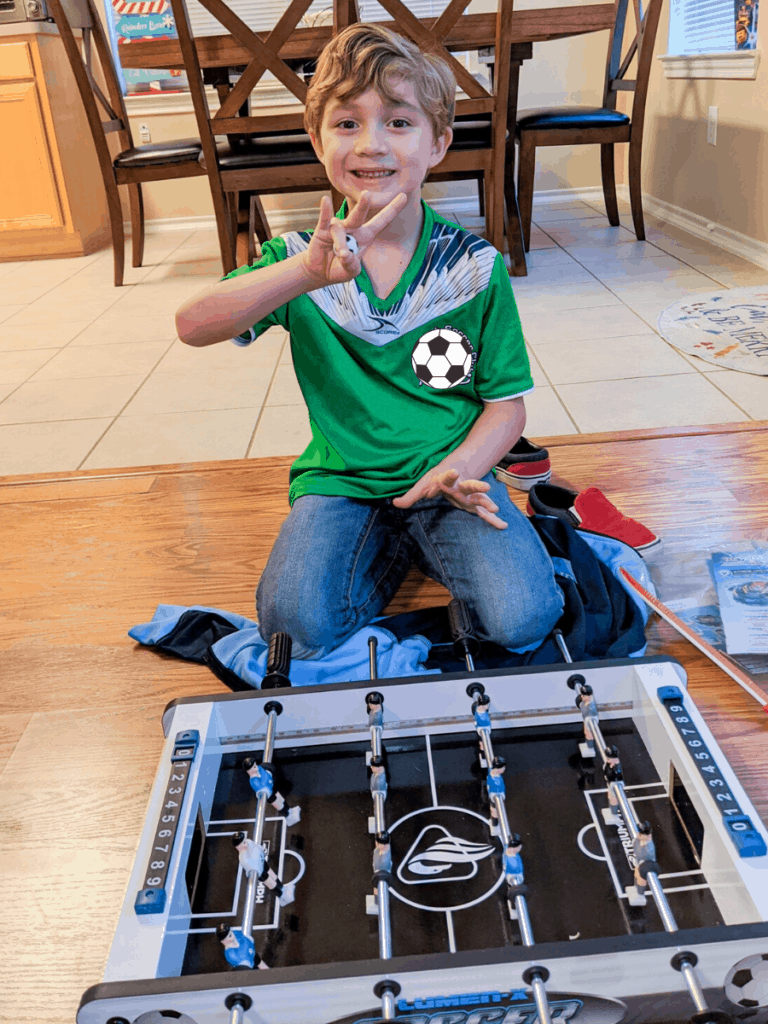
(398, 469)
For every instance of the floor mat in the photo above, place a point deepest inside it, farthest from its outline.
(728, 328)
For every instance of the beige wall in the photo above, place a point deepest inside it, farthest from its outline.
(725, 183)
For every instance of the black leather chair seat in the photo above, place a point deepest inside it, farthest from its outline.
(570, 117)
(274, 150)
(471, 134)
(157, 153)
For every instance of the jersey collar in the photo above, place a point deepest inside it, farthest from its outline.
(411, 271)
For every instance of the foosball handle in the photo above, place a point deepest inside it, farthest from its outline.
(278, 662)
(464, 640)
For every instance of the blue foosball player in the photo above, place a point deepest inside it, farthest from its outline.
(480, 711)
(495, 785)
(512, 862)
(239, 949)
(261, 781)
(378, 775)
(253, 860)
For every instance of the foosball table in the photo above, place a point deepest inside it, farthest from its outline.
(485, 847)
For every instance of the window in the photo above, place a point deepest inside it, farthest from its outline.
(712, 39)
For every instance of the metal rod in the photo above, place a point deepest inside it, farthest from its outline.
(501, 810)
(689, 974)
(378, 811)
(524, 920)
(236, 1016)
(376, 740)
(373, 671)
(560, 641)
(387, 1005)
(385, 929)
(540, 998)
(258, 829)
(486, 745)
(662, 904)
(470, 662)
(269, 739)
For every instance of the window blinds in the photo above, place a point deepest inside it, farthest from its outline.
(701, 26)
(263, 15)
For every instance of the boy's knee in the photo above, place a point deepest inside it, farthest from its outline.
(521, 623)
(314, 630)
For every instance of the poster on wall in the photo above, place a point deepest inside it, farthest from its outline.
(746, 24)
(145, 19)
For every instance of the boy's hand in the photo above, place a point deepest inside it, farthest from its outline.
(328, 260)
(468, 495)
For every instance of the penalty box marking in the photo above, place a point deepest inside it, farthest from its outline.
(620, 894)
(241, 874)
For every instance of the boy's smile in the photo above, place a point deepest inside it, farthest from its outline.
(368, 144)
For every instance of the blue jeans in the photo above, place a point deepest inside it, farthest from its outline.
(338, 562)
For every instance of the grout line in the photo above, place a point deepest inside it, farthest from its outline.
(109, 426)
(249, 446)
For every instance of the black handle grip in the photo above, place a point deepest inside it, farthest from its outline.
(278, 661)
(464, 640)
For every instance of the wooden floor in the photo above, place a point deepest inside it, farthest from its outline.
(88, 555)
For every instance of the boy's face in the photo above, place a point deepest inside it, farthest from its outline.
(368, 145)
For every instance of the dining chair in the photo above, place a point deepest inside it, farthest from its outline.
(267, 154)
(132, 165)
(575, 126)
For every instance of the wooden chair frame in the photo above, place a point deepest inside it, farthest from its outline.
(487, 163)
(226, 120)
(641, 49)
(116, 122)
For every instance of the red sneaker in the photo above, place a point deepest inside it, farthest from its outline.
(589, 510)
(524, 465)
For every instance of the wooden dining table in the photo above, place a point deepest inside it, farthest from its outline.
(220, 54)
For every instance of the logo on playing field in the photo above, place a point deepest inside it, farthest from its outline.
(445, 859)
(443, 856)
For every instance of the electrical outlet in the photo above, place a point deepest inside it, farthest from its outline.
(144, 135)
(712, 126)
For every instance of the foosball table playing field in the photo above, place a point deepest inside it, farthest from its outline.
(486, 847)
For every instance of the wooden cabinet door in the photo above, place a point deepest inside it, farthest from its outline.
(29, 196)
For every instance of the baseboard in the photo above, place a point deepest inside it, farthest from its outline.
(725, 238)
(304, 217)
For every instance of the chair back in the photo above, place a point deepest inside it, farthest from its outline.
(639, 49)
(106, 114)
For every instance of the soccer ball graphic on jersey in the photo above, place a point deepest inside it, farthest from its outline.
(746, 984)
(443, 358)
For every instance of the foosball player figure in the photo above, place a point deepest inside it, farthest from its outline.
(382, 854)
(375, 704)
(253, 860)
(644, 850)
(612, 773)
(262, 781)
(239, 949)
(587, 705)
(382, 861)
(512, 863)
(495, 786)
(378, 775)
(480, 711)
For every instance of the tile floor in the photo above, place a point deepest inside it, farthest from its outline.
(93, 377)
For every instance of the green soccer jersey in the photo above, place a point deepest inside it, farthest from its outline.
(393, 385)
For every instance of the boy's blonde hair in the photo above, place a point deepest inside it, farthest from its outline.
(369, 56)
